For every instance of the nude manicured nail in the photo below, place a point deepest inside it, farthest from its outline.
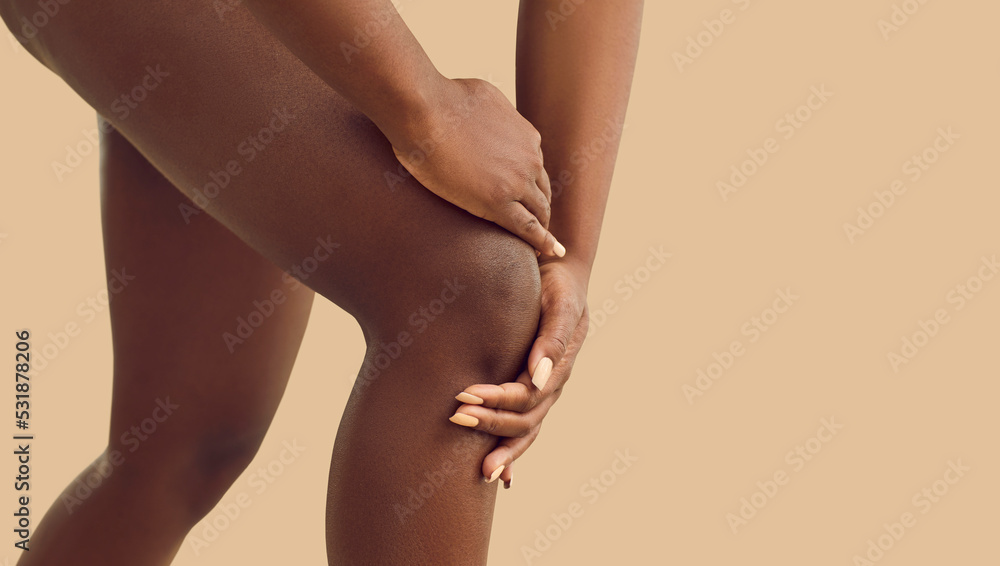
(542, 372)
(559, 249)
(464, 420)
(469, 398)
(496, 474)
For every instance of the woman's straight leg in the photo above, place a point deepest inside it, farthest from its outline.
(189, 407)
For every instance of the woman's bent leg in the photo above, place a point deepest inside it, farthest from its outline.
(406, 485)
(245, 130)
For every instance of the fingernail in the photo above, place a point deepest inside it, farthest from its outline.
(469, 398)
(542, 372)
(496, 474)
(464, 420)
(559, 249)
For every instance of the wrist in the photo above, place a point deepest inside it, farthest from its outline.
(408, 121)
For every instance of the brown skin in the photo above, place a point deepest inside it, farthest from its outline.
(190, 283)
(574, 76)
(322, 175)
(461, 139)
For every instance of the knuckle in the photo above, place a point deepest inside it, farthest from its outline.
(533, 432)
(479, 87)
(546, 210)
(501, 194)
(525, 403)
(529, 225)
(525, 431)
(559, 340)
(535, 160)
(489, 425)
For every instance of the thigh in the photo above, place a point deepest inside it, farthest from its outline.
(244, 129)
(205, 331)
(274, 155)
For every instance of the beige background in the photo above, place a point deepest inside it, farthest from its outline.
(825, 358)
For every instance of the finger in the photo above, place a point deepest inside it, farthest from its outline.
(494, 421)
(518, 396)
(544, 183)
(507, 475)
(524, 224)
(506, 452)
(555, 332)
(535, 200)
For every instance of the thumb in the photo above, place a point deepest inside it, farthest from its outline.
(555, 330)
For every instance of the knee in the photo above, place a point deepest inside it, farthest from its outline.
(192, 472)
(497, 319)
(472, 307)
(216, 462)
